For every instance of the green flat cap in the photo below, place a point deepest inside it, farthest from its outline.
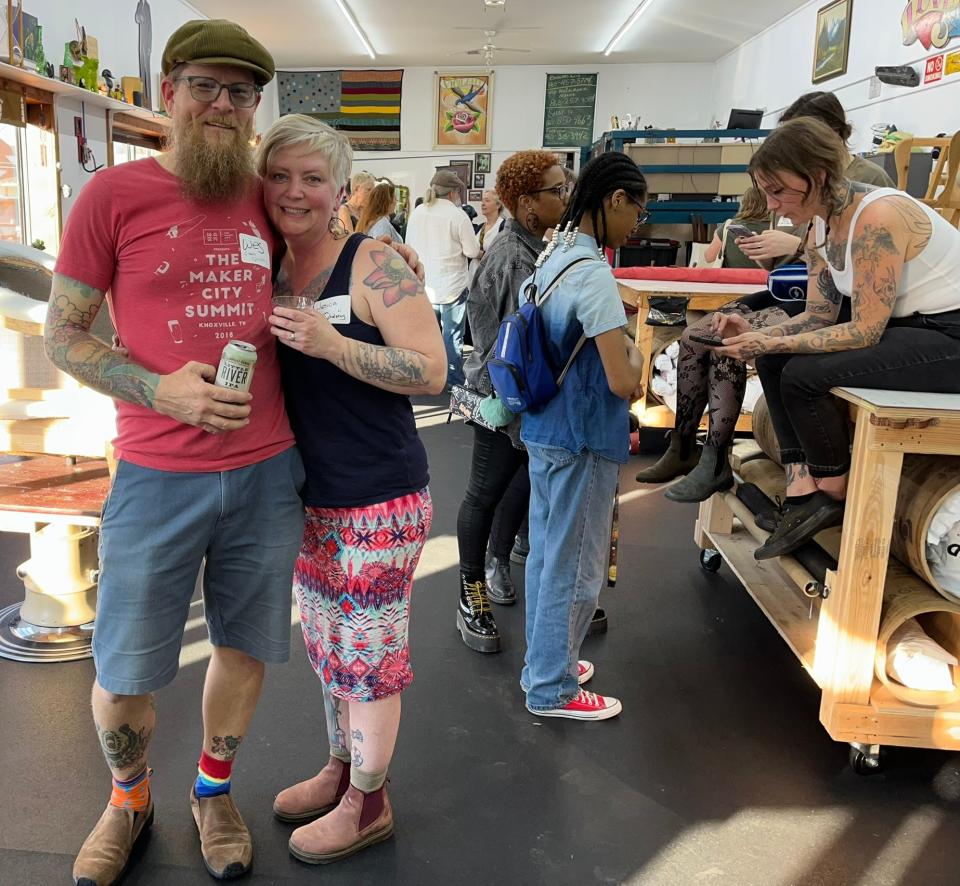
(217, 42)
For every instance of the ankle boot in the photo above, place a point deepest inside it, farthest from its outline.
(712, 474)
(316, 796)
(474, 618)
(680, 458)
(359, 820)
(500, 587)
(521, 547)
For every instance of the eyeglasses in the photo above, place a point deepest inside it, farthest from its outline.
(561, 191)
(642, 215)
(207, 90)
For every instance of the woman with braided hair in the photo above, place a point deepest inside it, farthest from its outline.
(578, 440)
(533, 188)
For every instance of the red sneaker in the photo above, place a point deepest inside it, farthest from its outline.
(584, 671)
(585, 706)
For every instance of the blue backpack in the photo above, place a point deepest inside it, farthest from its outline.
(521, 369)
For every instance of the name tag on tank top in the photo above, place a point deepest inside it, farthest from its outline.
(336, 309)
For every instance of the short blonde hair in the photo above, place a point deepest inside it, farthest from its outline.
(362, 179)
(313, 137)
(495, 196)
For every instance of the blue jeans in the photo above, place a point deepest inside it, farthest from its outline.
(451, 319)
(571, 512)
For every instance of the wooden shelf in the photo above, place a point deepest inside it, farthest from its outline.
(34, 83)
(773, 591)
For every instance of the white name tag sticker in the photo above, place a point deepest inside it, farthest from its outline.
(335, 309)
(253, 251)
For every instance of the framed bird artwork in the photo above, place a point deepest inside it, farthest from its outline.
(462, 115)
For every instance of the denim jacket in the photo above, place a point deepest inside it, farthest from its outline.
(493, 296)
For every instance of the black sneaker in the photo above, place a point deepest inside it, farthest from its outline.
(800, 524)
(769, 520)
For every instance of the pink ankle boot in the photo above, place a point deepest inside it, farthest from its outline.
(360, 820)
(316, 796)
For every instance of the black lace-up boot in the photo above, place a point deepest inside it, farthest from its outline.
(474, 619)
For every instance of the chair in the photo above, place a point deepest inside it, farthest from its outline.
(943, 190)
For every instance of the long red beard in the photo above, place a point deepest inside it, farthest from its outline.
(213, 172)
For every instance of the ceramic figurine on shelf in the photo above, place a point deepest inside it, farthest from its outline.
(109, 79)
(39, 56)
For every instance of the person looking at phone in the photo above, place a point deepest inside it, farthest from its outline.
(753, 219)
(704, 376)
(769, 245)
(893, 259)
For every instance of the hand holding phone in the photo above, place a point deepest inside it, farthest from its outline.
(703, 339)
(737, 231)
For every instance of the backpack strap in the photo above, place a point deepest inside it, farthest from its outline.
(546, 294)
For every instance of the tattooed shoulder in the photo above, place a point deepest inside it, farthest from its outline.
(392, 277)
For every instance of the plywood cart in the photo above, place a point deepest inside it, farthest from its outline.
(835, 637)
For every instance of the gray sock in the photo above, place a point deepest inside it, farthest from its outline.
(341, 755)
(368, 782)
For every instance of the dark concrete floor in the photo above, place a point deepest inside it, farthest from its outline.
(717, 772)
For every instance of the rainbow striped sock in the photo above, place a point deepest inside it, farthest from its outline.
(213, 776)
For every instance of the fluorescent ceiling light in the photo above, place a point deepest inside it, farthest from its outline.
(350, 17)
(626, 26)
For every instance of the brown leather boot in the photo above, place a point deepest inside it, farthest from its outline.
(224, 839)
(360, 820)
(106, 852)
(316, 796)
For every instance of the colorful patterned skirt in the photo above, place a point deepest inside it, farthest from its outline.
(353, 580)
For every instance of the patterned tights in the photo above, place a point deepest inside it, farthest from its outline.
(704, 378)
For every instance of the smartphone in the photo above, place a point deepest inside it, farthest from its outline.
(735, 230)
(710, 340)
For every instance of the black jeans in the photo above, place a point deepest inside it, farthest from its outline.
(495, 503)
(812, 426)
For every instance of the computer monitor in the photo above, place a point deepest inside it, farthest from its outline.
(741, 118)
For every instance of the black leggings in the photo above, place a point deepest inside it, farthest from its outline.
(813, 426)
(495, 503)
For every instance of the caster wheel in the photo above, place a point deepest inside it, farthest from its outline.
(710, 560)
(865, 762)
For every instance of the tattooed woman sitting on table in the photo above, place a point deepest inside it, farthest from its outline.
(896, 260)
(366, 340)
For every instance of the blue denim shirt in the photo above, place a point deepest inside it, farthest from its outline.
(585, 414)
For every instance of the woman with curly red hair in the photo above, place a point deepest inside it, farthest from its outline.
(533, 188)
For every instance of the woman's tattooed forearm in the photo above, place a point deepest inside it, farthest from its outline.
(378, 364)
(70, 346)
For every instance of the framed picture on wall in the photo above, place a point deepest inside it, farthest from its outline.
(474, 196)
(832, 41)
(483, 162)
(462, 104)
(464, 171)
(479, 180)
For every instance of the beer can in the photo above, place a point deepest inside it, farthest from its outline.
(236, 366)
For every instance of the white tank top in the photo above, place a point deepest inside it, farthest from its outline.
(928, 283)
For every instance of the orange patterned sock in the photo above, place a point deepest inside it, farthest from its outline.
(133, 794)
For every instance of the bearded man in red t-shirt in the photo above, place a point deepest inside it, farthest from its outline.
(208, 478)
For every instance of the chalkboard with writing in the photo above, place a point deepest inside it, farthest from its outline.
(568, 110)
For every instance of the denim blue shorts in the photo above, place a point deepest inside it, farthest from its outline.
(243, 528)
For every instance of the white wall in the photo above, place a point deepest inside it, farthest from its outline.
(772, 69)
(664, 95)
(117, 32)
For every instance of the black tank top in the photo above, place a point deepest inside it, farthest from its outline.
(359, 443)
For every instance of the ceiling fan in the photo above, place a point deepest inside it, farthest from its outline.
(488, 49)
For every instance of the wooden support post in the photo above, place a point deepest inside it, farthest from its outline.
(850, 616)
